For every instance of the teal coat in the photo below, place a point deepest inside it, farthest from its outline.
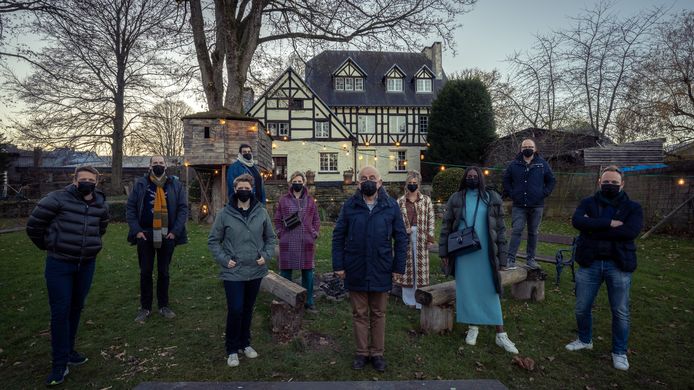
(242, 240)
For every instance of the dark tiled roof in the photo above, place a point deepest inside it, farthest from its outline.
(375, 63)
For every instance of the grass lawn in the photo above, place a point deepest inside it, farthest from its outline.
(191, 347)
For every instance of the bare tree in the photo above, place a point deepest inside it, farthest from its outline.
(603, 52)
(106, 59)
(229, 43)
(161, 131)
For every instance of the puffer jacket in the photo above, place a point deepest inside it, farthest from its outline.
(455, 207)
(599, 241)
(363, 243)
(243, 240)
(528, 184)
(68, 228)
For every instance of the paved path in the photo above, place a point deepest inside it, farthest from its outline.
(485, 384)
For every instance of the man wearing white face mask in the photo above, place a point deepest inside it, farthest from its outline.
(245, 164)
(156, 213)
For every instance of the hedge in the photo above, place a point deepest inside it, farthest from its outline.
(446, 183)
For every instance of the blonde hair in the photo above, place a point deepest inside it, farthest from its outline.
(295, 174)
(612, 168)
(414, 175)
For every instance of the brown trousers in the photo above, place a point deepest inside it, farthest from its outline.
(369, 311)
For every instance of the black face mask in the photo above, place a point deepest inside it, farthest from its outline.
(244, 195)
(248, 156)
(412, 187)
(158, 170)
(85, 188)
(297, 187)
(609, 191)
(472, 182)
(528, 152)
(369, 188)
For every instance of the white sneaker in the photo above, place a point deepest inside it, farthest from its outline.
(249, 352)
(233, 360)
(503, 341)
(620, 362)
(472, 332)
(578, 345)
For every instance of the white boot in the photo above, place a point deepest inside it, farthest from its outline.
(472, 332)
(503, 341)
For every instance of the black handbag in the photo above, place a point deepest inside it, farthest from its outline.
(464, 241)
(291, 221)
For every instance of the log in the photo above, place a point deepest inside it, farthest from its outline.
(436, 319)
(444, 293)
(284, 289)
(286, 320)
(533, 290)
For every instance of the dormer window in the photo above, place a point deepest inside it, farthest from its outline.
(339, 83)
(349, 77)
(424, 80)
(349, 84)
(423, 85)
(393, 84)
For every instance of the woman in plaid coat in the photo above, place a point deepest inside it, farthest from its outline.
(297, 225)
(418, 214)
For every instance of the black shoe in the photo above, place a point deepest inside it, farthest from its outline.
(379, 363)
(57, 376)
(359, 362)
(76, 359)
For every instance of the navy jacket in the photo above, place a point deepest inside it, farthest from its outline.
(176, 204)
(528, 184)
(67, 227)
(363, 243)
(599, 241)
(237, 169)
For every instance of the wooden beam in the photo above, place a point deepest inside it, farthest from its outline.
(444, 293)
(284, 289)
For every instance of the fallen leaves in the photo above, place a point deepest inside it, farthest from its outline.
(525, 363)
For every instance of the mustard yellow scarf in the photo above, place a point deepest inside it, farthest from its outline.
(161, 213)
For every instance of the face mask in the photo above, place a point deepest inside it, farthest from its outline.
(610, 190)
(158, 170)
(243, 195)
(369, 188)
(297, 187)
(528, 152)
(85, 188)
(248, 156)
(412, 187)
(472, 182)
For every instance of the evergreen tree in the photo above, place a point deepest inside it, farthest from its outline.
(461, 125)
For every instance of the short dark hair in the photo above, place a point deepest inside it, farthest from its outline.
(482, 186)
(245, 146)
(86, 168)
(245, 178)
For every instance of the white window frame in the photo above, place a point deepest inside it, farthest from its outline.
(419, 124)
(360, 82)
(397, 124)
(339, 83)
(424, 85)
(327, 162)
(368, 122)
(272, 128)
(349, 84)
(400, 165)
(394, 84)
(283, 129)
(322, 129)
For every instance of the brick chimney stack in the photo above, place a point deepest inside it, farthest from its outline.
(433, 53)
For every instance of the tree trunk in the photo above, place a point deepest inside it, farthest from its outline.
(118, 134)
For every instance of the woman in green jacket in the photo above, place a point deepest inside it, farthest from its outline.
(242, 242)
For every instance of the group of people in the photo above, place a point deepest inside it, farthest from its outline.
(377, 241)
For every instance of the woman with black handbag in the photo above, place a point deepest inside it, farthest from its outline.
(472, 245)
(297, 225)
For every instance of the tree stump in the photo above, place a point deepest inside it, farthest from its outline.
(532, 288)
(436, 318)
(286, 320)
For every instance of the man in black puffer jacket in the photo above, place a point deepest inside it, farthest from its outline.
(68, 225)
(609, 222)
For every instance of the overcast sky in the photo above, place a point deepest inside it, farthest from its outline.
(494, 29)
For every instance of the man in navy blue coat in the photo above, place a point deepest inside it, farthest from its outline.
(605, 250)
(363, 256)
(528, 180)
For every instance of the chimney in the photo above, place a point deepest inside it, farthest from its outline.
(433, 53)
(248, 99)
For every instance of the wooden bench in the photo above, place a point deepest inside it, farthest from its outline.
(563, 258)
(438, 300)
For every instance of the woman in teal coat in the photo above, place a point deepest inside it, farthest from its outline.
(477, 281)
(242, 242)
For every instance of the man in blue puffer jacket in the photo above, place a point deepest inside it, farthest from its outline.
(609, 222)
(528, 180)
(363, 256)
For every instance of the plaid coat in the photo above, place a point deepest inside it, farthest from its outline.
(297, 246)
(425, 231)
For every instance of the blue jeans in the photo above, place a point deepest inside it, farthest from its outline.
(241, 297)
(68, 285)
(520, 217)
(306, 282)
(588, 282)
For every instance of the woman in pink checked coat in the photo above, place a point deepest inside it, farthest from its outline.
(297, 225)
